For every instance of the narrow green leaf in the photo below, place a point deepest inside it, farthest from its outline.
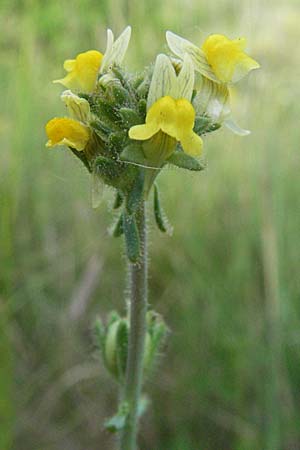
(158, 213)
(118, 200)
(135, 194)
(122, 347)
(184, 161)
(118, 228)
(132, 240)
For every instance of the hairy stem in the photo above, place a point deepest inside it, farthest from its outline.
(137, 311)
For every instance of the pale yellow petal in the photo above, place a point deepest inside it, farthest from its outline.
(227, 58)
(143, 132)
(69, 64)
(192, 144)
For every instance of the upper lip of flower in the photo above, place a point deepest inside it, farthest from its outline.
(220, 59)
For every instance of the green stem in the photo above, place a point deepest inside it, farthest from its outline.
(137, 310)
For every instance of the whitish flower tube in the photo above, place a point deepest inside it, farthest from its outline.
(126, 128)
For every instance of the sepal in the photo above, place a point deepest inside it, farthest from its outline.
(183, 161)
(133, 153)
(130, 117)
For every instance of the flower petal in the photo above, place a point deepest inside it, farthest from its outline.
(186, 79)
(115, 51)
(180, 46)
(164, 80)
(236, 129)
(82, 71)
(78, 108)
(227, 59)
(65, 131)
(143, 132)
(212, 99)
(192, 144)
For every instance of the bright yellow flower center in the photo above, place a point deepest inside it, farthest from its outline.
(227, 58)
(173, 117)
(69, 132)
(83, 71)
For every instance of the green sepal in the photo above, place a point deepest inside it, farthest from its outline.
(117, 140)
(158, 213)
(143, 88)
(100, 129)
(106, 112)
(117, 422)
(134, 153)
(130, 117)
(121, 95)
(137, 81)
(135, 194)
(132, 239)
(117, 228)
(213, 127)
(142, 107)
(118, 200)
(185, 161)
(201, 124)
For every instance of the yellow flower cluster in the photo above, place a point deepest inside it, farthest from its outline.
(172, 105)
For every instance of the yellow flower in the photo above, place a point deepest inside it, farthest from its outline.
(174, 117)
(82, 71)
(220, 59)
(227, 57)
(69, 132)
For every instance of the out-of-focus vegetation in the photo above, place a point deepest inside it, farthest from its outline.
(227, 281)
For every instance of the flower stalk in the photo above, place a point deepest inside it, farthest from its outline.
(136, 346)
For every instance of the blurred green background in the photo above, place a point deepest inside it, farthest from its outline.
(227, 281)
